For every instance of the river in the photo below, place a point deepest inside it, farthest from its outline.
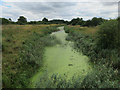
(62, 59)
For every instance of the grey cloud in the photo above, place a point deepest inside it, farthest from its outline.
(49, 9)
(62, 4)
(42, 6)
(106, 12)
(34, 7)
(109, 3)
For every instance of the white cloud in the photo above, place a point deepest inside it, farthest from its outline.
(59, 10)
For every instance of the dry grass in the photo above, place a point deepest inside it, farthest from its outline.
(13, 37)
(91, 30)
(85, 30)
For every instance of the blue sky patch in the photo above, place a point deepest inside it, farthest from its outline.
(3, 4)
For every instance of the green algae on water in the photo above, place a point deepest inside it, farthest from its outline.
(63, 60)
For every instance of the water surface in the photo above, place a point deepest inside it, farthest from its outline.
(62, 59)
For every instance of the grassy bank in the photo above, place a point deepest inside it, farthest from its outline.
(23, 48)
(101, 45)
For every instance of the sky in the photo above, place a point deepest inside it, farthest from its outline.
(60, 9)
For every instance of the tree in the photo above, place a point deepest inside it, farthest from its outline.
(57, 21)
(22, 20)
(96, 21)
(11, 22)
(45, 20)
(76, 21)
(87, 23)
(80, 22)
(4, 21)
(10, 19)
(93, 22)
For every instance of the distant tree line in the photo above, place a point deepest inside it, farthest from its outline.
(75, 21)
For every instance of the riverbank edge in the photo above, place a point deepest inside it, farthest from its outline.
(87, 44)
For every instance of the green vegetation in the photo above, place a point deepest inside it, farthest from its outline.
(109, 35)
(23, 49)
(61, 60)
(105, 58)
(22, 20)
(5, 21)
(93, 22)
(75, 21)
(102, 48)
(105, 78)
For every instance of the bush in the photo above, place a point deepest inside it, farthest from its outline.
(108, 36)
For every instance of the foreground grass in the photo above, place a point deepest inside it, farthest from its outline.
(19, 43)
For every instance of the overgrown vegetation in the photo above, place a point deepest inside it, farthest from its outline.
(104, 78)
(23, 49)
(102, 48)
(105, 73)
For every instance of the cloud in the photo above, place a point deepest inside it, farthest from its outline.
(109, 3)
(60, 0)
(59, 10)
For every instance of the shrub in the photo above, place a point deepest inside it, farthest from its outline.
(108, 35)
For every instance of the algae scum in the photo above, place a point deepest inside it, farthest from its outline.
(62, 60)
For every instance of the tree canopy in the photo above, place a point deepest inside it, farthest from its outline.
(75, 21)
(4, 21)
(45, 20)
(22, 20)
